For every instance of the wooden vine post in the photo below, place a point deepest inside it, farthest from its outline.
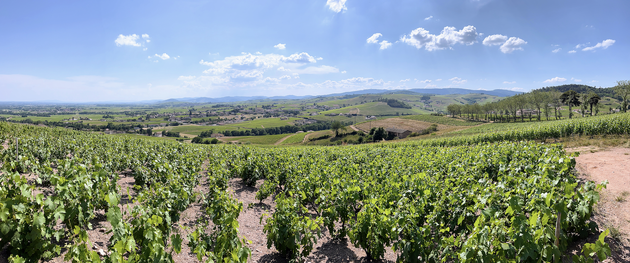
(558, 226)
(16, 149)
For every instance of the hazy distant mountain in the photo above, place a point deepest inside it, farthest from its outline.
(497, 92)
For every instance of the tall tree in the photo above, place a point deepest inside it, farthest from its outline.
(521, 103)
(537, 99)
(556, 102)
(584, 99)
(593, 100)
(336, 126)
(570, 98)
(623, 90)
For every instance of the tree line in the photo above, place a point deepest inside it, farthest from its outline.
(545, 102)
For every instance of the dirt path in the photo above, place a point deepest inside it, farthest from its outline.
(353, 128)
(283, 138)
(613, 210)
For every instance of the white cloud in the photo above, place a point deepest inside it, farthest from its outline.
(283, 69)
(145, 36)
(578, 46)
(280, 46)
(343, 72)
(572, 51)
(336, 5)
(516, 89)
(384, 44)
(285, 77)
(556, 50)
(374, 38)
(317, 70)
(593, 81)
(495, 40)
(604, 44)
(129, 40)
(423, 81)
(514, 43)
(554, 80)
(404, 80)
(509, 82)
(144, 49)
(576, 80)
(449, 36)
(457, 80)
(428, 18)
(164, 56)
(508, 45)
(438, 80)
(148, 40)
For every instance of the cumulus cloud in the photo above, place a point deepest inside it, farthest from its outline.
(554, 80)
(556, 50)
(423, 81)
(421, 38)
(428, 18)
(129, 40)
(457, 80)
(514, 43)
(336, 5)
(280, 46)
(576, 80)
(604, 45)
(384, 44)
(343, 72)
(508, 45)
(404, 80)
(145, 36)
(572, 51)
(283, 69)
(164, 56)
(495, 40)
(509, 82)
(374, 38)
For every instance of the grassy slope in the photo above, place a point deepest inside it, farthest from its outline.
(259, 123)
(441, 120)
(295, 139)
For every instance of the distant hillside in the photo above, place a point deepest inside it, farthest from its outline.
(350, 94)
(579, 88)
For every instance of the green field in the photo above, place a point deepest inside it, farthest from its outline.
(295, 139)
(258, 123)
(374, 108)
(263, 140)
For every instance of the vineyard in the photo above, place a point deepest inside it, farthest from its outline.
(485, 198)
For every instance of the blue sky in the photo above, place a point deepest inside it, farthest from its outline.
(139, 50)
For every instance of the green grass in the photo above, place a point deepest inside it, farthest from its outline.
(441, 120)
(295, 139)
(375, 108)
(247, 125)
(264, 140)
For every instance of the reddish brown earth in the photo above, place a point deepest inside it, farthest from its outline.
(613, 211)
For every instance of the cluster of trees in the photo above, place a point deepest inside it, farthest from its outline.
(170, 134)
(537, 103)
(282, 129)
(200, 140)
(395, 103)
